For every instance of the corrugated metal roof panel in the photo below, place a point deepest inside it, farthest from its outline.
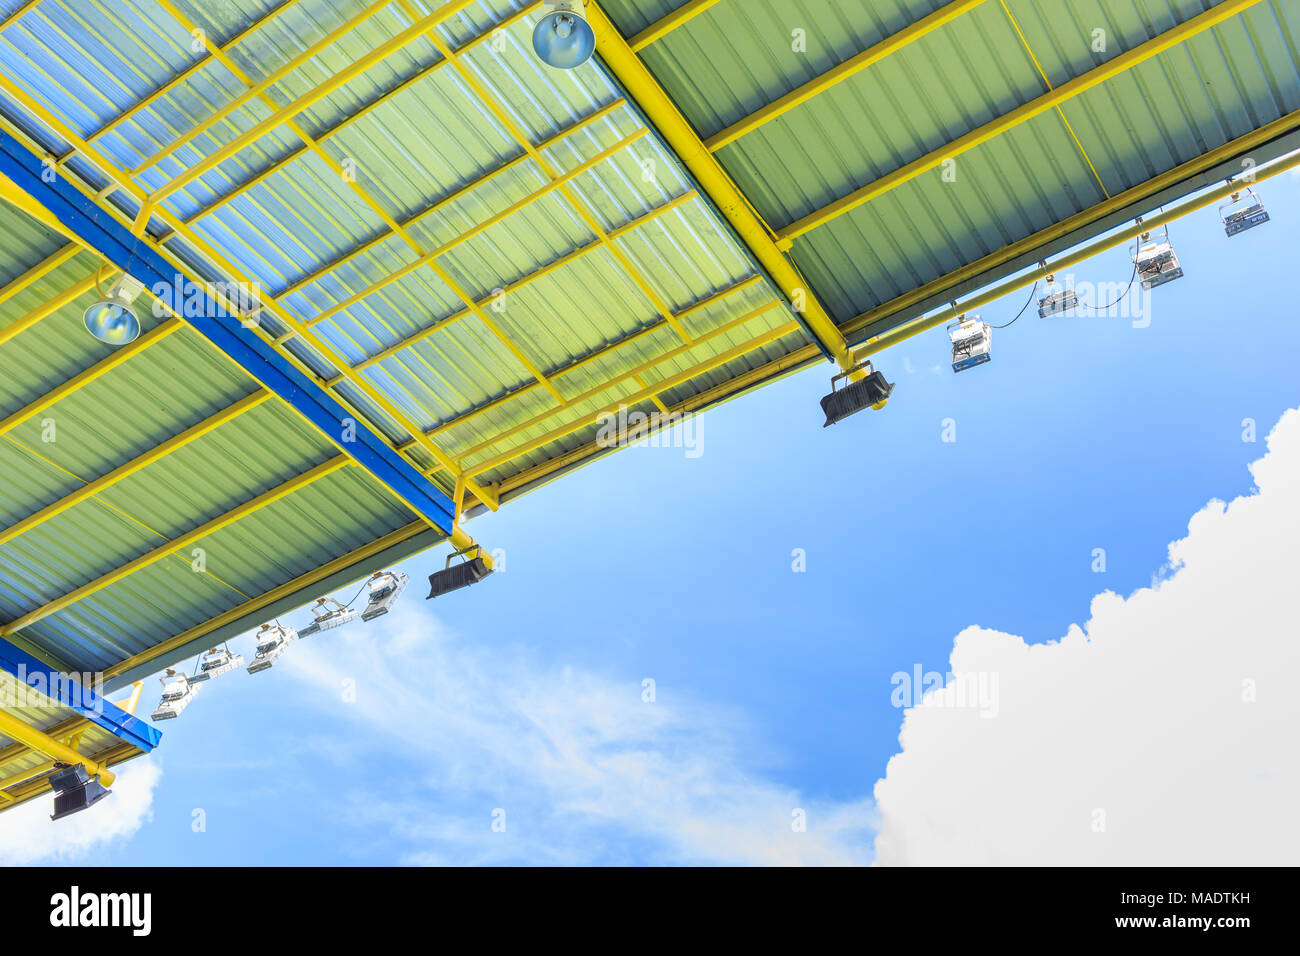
(153, 396)
(416, 131)
(416, 153)
(735, 58)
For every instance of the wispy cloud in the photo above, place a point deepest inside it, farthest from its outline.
(582, 767)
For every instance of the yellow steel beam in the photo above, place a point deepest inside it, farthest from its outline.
(279, 164)
(346, 373)
(387, 94)
(22, 792)
(42, 742)
(17, 197)
(194, 68)
(481, 227)
(46, 309)
(17, 15)
(1021, 114)
(921, 324)
(259, 88)
(446, 201)
(776, 368)
(599, 354)
(25, 774)
(685, 142)
(123, 179)
(42, 112)
(585, 421)
(799, 358)
(795, 360)
(154, 555)
(36, 273)
(548, 169)
(266, 98)
(424, 259)
(1060, 111)
(300, 583)
(548, 269)
(596, 391)
(63, 730)
(661, 28)
(838, 74)
(129, 705)
(403, 39)
(39, 109)
(892, 337)
(370, 201)
(97, 486)
(80, 380)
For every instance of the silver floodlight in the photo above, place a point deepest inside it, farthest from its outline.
(177, 693)
(1155, 260)
(111, 319)
(385, 588)
(215, 662)
(328, 613)
(1241, 213)
(972, 342)
(272, 641)
(1057, 301)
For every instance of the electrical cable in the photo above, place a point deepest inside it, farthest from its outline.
(1022, 308)
(357, 595)
(1110, 305)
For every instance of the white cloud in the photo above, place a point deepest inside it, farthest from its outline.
(584, 768)
(28, 835)
(1141, 715)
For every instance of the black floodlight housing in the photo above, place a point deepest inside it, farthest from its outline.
(453, 577)
(871, 391)
(74, 790)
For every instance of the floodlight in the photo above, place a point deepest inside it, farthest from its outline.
(272, 642)
(328, 617)
(1240, 214)
(563, 38)
(74, 790)
(1057, 301)
(111, 319)
(1155, 261)
(871, 391)
(453, 577)
(972, 342)
(385, 588)
(217, 661)
(177, 693)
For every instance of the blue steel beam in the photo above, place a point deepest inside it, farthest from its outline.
(80, 697)
(104, 234)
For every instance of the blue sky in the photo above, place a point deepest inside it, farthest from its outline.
(773, 688)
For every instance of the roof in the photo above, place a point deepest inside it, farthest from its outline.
(431, 162)
(910, 84)
(403, 272)
(242, 446)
